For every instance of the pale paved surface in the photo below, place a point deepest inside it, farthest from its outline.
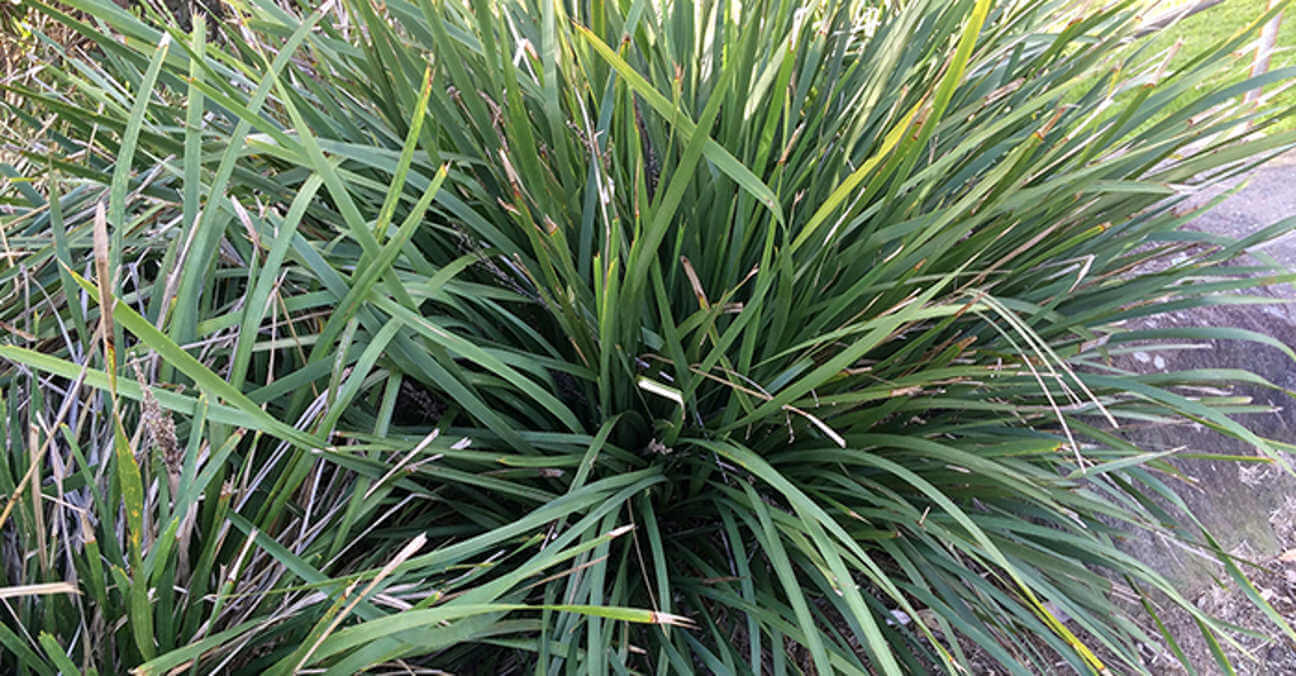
(1269, 197)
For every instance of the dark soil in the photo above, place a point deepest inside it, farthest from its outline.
(417, 404)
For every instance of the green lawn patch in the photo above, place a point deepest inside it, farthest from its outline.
(1205, 29)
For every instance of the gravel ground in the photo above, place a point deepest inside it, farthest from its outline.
(1266, 196)
(1251, 509)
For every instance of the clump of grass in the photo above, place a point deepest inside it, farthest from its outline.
(515, 336)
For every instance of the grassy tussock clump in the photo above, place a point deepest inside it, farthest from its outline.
(507, 336)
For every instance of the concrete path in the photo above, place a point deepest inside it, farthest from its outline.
(1269, 196)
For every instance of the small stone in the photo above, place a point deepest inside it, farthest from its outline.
(659, 448)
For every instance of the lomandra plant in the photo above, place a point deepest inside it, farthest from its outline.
(590, 337)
